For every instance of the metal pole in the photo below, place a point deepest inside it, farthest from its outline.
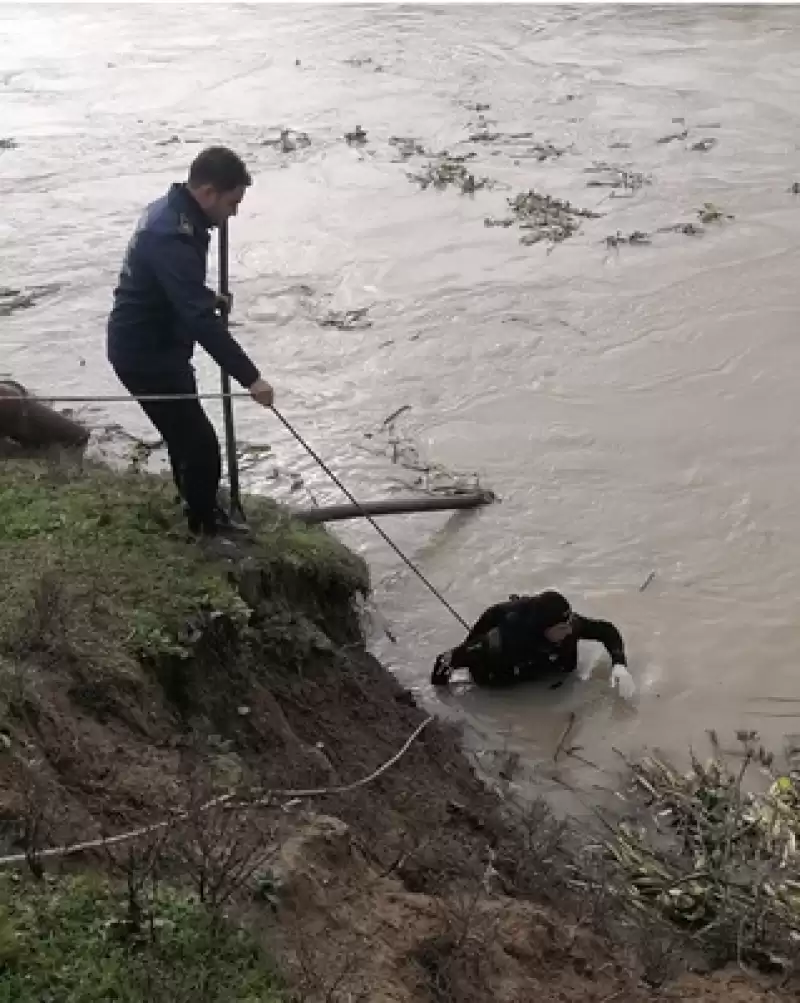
(227, 402)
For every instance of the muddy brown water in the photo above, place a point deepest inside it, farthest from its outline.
(635, 407)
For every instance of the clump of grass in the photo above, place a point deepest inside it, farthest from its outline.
(98, 562)
(67, 939)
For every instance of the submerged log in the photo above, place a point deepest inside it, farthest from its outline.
(394, 506)
(34, 425)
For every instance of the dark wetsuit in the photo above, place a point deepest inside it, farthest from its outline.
(507, 645)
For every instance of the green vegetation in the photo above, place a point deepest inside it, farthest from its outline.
(715, 858)
(101, 561)
(107, 609)
(69, 940)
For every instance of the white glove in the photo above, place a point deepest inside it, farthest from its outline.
(622, 681)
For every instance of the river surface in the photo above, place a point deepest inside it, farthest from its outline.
(635, 408)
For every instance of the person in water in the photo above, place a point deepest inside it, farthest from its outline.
(528, 637)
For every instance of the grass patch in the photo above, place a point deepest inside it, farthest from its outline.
(99, 563)
(65, 940)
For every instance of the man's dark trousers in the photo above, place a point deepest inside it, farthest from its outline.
(190, 438)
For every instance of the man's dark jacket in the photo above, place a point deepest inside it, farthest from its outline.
(162, 305)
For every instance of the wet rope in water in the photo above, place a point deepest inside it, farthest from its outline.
(117, 398)
(410, 564)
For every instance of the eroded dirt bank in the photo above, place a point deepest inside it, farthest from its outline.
(142, 679)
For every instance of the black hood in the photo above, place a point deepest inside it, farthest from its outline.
(551, 608)
(542, 611)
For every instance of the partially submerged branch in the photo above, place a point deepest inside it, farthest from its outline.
(717, 860)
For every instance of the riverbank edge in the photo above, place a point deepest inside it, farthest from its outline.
(144, 679)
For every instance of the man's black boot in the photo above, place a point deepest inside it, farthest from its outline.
(228, 524)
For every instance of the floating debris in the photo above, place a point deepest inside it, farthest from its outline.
(174, 139)
(702, 145)
(505, 221)
(346, 320)
(457, 158)
(529, 204)
(291, 140)
(449, 171)
(408, 147)
(140, 453)
(428, 476)
(673, 136)
(541, 152)
(712, 214)
(392, 418)
(613, 176)
(288, 140)
(484, 136)
(635, 237)
(252, 455)
(536, 236)
(547, 218)
(7, 143)
(537, 151)
(550, 217)
(710, 856)
(17, 299)
(690, 229)
(357, 136)
(547, 151)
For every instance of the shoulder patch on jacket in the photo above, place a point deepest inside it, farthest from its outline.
(185, 226)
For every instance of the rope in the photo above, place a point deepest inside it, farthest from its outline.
(122, 398)
(226, 799)
(369, 518)
(115, 398)
(346, 788)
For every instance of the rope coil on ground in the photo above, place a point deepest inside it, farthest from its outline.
(225, 800)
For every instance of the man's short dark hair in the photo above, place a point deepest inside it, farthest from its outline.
(219, 167)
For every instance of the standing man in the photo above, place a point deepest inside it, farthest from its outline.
(162, 306)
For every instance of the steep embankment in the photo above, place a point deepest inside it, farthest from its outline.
(142, 679)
